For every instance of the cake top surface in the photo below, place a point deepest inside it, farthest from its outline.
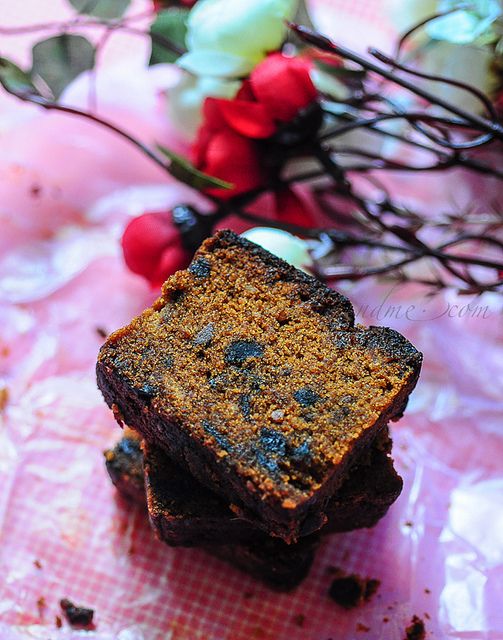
(262, 364)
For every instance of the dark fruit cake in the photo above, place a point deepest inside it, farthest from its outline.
(253, 377)
(183, 512)
(279, 565)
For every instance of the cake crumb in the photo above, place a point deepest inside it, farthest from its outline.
(41, 606)
(385, 619)
(58, 622)
(416, 630)
(103, 333)
(77, 616)
(37, 563)
(428, 591)
(4, 398)
(299, 620)
(362, 627)
(408, 523)
(351, 590)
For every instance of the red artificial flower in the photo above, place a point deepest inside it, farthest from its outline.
(290, 208)
(221, 152)
(278, 89)
(152, 247)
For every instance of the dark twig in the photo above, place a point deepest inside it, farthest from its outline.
(382, 57)
(441, 14)
(493, 129)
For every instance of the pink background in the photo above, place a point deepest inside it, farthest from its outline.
(66, 191)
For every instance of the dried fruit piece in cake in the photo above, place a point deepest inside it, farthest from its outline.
(251, 375)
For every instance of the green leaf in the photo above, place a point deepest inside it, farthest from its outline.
(16, 81)
(170, 25)
(106, 9)
(181, 169)
(60, 59)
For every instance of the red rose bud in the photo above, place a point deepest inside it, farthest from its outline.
(152, 247)
(279, 98)
(283, 85)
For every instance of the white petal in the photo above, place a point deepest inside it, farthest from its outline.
(216, 63)
(283, 244)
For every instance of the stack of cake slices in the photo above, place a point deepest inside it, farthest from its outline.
(259, 411)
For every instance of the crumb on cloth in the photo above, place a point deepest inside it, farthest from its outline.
(77, 616)
(416, 630)
(351, 590)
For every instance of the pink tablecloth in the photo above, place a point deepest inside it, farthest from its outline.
(66, 191)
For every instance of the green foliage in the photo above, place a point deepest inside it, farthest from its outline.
(181, 169)
(106, 9)
(16, 81)
(170, 26)
(60, 59)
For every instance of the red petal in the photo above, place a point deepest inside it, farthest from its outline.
(213, 122)
(173, 258)
(144, 240)
(246, 92)
(283, 85)
(233, 158)
(290, 208)
(250, 119)
(212, 114)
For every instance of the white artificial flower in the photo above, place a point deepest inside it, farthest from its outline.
(465, 63)
(185, 100)
(283, 244)
(227, 38)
